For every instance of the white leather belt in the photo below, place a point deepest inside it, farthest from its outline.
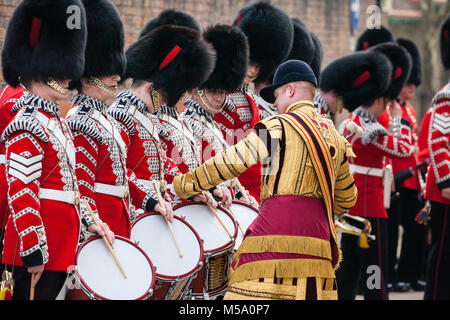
(149, 184)
(386, 174)
(70, 197)
(376, 172)
(116, 191)
(2, 158)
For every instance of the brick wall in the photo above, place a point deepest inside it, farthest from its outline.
(328, 19)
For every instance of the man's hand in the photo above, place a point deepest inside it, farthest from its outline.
(446, 193)
(206, 198)
(37, 271)
(225, 194)
(252, 201)
(165, 209)
(103, 230)
(396, 109)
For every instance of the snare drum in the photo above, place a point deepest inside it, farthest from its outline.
(212, 279)
(99, 277)
(173, 273)
(244, 214)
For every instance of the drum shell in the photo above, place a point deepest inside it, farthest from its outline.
(198, 283)
(86, 293)
(165, 282)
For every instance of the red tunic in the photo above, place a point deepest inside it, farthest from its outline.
(101, 164)
(8, 98)
(422, 141)
(438, 143)
(236, 121)
(371, 188)
(178, 139)
(400, 164)
(146, 156)
(41, 162)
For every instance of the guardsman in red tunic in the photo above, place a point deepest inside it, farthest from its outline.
(105, 182)
(438, 183)
(373, 80)
(158, 65)
(210, 98)
(8, 98)
(43, 228)
(175, 134)
(269, 44)
(408, 202)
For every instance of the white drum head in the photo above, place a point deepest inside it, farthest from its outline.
(100, 274)
(210, 230)
(153, 235)
(245, 217)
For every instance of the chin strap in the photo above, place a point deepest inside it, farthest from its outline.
(57, 87)
(155, 100)
(99, 84)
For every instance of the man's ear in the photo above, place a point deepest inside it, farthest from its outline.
(290, 90)
(84, 81)
(148, 86)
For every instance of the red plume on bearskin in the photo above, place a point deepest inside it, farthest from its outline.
(372, 37)
(358, 78)
(175, 59)
(401, 63)
(40, 43)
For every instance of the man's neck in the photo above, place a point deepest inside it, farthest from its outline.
(144, 98)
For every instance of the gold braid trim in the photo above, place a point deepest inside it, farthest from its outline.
(283, 268)
(286, 244)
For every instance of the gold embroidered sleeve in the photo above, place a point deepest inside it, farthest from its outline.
(346, 192)
(224, 166)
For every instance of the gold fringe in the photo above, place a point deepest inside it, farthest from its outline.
(283, 268)
(286, 244)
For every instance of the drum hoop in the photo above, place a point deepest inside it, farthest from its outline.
(202, 252)
(245, 204)
(229, 244)
(88, 290)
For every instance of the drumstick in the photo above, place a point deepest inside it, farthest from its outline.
(218, 218)
(237, 222)
(241, 189)
(111, 250)
(161, 203)
(31, 287)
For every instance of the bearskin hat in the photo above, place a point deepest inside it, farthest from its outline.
(171, 16)
(303, 45)
(445, 42)
(104, 53)
(316, 63)
(416, 70)
(372, 37)
(358, 78)
(401, 64)
(44, 41)
(270, 36)
(232, 54)
(176, 59)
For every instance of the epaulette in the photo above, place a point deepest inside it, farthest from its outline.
(119, 111)
(443, 94)
(80, 120)
(25, 120)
